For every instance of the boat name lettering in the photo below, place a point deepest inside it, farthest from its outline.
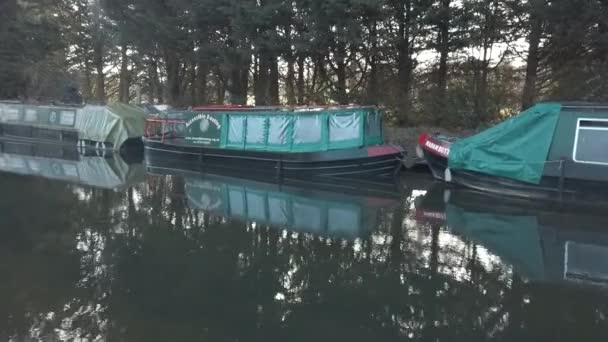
(444, 151)
(204, 117)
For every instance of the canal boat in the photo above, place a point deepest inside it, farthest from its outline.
(552, 151)
(342, 142)
(564, 245)
(107, 128)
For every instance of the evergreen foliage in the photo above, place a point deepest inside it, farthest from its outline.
(442, 62)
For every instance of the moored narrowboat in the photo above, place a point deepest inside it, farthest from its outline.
(112, 127)
(552, 151)
(341, 142)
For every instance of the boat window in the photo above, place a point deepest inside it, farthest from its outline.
(31, 115)
(278, 130)
(591, 143)
(593, 123)
(67, 118)
(256, 130)
(307, 129)
(236, 130)
(344, 128)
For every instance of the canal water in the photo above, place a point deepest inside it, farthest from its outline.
(97, 250)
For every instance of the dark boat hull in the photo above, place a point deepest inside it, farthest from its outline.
(549, 189)
(371, 162)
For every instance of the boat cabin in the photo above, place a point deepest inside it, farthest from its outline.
(307, 129)
(581, 139)
(100, 127)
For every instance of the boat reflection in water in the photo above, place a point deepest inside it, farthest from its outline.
(561, 245)
(65, 163)
(325, 208)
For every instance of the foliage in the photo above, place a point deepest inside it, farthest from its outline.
(443, 62)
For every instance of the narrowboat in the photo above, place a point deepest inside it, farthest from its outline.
(552, 151)
(338, 142)
(564, 245)
(108, 128)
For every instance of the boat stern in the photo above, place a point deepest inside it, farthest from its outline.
(435, 149)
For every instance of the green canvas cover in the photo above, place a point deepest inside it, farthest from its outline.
(513, 238)
(289, 131)
(112, 124)
(517, 148)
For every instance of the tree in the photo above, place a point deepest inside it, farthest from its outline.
(535, 33)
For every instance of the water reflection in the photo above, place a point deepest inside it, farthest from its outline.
(68, 164)
(176, 259)
(544, 243)
(288, 206)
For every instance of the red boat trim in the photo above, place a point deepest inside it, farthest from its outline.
(375, 151)
(428, 143)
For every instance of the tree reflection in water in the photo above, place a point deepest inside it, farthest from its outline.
(142, 264)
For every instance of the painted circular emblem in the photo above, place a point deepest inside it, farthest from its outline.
(204, 125)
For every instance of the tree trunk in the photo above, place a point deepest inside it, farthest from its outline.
(301, 84)
(405, 63)
(290, 90)
(290, 80)
(123, 86)
(173, 85)
(536, 26)
(273, 87)
(319, 78)
(86, 91)
(201, 82)
(100, 90)
(193, 83)
(221, 91)
(340, 57)
(482, 85)
(157, 89)
(239, 84)
(261, 79)
(373, 86)
(444, 50)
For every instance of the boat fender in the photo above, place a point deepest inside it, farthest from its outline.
(419, 152)
(447, 194)
(448, 175)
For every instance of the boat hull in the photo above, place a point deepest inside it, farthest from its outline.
(370, 162)
(550, 188)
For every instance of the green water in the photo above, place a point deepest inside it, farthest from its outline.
(168, 258)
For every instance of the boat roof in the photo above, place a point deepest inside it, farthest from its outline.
(245, 108)
(572, 106)
(177, 114)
